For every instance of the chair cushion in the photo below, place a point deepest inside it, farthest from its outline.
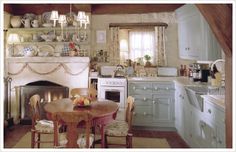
(117, 128)
(81, 141)
(44, 126)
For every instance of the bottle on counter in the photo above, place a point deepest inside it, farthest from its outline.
(181, 70)
(185, 71)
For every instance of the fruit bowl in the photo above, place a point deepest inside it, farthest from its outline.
(81, 101)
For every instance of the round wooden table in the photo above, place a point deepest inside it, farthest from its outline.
(102, 111)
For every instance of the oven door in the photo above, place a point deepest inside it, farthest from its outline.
(116, 94)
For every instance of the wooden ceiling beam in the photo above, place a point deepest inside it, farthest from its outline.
(21, 9)
(132, 8)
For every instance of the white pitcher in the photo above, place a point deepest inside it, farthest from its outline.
(35, 23)
(26, 22)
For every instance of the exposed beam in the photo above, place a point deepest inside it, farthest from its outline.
(132, 8)
(21, 9)
(219, 17)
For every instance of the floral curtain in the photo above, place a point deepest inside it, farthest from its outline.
(160, 46)
(114, 47)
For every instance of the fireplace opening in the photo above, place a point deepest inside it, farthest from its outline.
(48, 92)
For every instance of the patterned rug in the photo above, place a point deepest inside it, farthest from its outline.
(138, 142)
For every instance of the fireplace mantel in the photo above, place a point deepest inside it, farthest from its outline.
(48, 59)
(71, 72)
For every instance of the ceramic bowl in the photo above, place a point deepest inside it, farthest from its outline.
(48, 38)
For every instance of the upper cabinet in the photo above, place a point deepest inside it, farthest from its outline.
(196, 40)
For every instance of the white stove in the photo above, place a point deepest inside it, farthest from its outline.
(114, 89)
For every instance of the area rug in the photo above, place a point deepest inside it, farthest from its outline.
(138, 142)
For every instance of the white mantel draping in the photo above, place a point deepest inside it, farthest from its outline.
(71, 72)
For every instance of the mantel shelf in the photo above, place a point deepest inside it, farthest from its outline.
(48, 59)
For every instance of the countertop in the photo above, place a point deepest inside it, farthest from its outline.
(181, 80)
(218, 100)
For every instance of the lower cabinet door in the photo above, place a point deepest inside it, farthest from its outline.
(142, 115)
(162, 109)
(203, 132)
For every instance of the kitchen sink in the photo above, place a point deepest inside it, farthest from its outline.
(194, 94)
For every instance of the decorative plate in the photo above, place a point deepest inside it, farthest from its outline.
(46, 17)
(45, 50)
(30, 16)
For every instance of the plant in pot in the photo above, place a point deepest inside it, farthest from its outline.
(147, 58)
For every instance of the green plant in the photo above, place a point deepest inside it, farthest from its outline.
(147, 57)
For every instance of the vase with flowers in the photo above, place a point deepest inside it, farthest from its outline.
(74, 49)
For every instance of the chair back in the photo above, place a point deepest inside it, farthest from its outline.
(129, 111)
(72, 119)
(88, 92)
(35, 108)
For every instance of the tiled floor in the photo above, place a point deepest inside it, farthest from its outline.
(14, 134)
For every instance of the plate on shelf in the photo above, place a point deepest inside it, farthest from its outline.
(46, 17)
(18, 50)
(59, 48)
(45, 50)
(30, 16)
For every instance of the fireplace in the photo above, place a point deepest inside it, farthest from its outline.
(48, 92)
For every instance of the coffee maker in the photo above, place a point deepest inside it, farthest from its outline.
(200, 72)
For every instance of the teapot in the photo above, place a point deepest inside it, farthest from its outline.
(26, 22)
(35, 23)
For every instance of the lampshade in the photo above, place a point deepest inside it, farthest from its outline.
(54, 15)
(13, 38)
(62, 19)
(81, 16)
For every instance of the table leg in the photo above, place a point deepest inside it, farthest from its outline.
(72, 135)
(102, 136)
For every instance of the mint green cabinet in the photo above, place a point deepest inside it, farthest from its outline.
(196, 40)
(154, 103)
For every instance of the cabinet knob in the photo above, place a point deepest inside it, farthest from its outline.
(154, 102)
(134, 88)
(209, 111)
(155, 88)
(144, 113)
(167, 88)
(144, 88)
(144, 99)
(180, 96)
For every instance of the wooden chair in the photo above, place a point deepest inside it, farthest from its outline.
(89, 92)
(77, 138)
(122, 128)
(41, 126)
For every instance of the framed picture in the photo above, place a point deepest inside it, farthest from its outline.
(101, 36)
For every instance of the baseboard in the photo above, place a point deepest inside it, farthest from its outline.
(154, 128)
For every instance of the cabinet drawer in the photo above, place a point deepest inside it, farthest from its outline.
(142, 100)
(142, 115)
(213, 114)
(163, 88)
(140, 88)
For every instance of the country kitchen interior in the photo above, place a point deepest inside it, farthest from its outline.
(117, 75)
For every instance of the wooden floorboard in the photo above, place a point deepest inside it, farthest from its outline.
(13, 135)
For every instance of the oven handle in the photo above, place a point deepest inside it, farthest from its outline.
(113, 90)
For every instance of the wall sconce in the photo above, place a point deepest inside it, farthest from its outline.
(54, 17)
(82, 19)
(13, 38)
(62, 21)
